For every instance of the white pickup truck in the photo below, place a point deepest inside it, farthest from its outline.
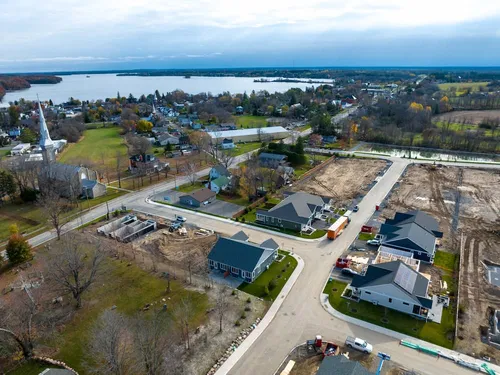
(358, 344)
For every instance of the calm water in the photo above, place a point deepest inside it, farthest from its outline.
(102, 86)
(433, 155)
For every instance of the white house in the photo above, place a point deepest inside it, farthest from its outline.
(20, 149)
(220, 183)
(227, 144)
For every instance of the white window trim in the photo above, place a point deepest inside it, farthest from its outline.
(223, 267)
(235, 270)
(279, 221)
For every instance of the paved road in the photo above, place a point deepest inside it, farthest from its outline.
(301, 316)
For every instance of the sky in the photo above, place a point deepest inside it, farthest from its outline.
(63, 35)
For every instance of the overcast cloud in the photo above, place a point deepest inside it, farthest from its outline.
(124, 34)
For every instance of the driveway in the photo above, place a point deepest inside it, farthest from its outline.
(217, 207)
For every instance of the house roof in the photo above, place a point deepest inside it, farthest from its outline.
(409, 236)
(239, 254)
(268, 155)
(221, 181)
(397, 273)
(201, 195)
(222, 170)
(227, 140)
(297, 207)
(270, 244)
(89, 184)
(240, 236)
(419, 218)
(60, 171)
(340, 365)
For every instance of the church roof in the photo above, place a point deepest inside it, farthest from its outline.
(45, 141)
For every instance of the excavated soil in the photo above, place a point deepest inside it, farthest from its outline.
(466, 203)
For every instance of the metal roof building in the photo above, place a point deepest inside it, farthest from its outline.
(252, 134)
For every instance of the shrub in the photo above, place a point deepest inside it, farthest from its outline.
(28, 195)
(288, 264)
(247, 210)
(272, 284)
(283, 270)
(243, 315)
(266, 290)
(18, 249)
(243, 219)
(249, 300)
(233, 293)
(247, 308)
(237, 323)
(116, 213)
(237, 219)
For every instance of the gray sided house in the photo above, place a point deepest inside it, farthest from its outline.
(218, 171)
(296, 212)
(266, 158)
(197, 198)
(340, 365)
(394, 285)
(414, 232)
(239, 258)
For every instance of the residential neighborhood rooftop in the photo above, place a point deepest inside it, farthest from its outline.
(202, 194)
(298, 207)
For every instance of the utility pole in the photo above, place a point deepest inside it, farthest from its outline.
(383, 357)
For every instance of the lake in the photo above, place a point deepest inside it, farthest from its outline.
(102, 86)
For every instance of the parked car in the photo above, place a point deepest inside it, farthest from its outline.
(373, 242)
(358, 344)
(181, 219)
(356, 208)
(342, 263)
(349, 272)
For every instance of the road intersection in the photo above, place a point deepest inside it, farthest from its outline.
(302, 314)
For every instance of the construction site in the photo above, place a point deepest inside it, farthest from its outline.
(466, 203)
(343, 179)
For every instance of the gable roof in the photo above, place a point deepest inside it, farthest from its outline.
(240, 236)
(60, 171)
(201, 195)
(297, 207)
(419, 218)
(270, 244)
(221, 170)
(239, 254)
(340, 365)
(396, 273)
(267, 155)
(409, 236)
(221, 181)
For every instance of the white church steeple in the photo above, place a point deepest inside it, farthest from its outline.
(46, 143)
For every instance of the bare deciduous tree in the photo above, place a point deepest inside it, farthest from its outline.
(109, 352)
(191, 172)
(53, 206)
(18, 323)
(137, 145)
(226, 158)
(183, 314)
(75, 267)
(221, 304)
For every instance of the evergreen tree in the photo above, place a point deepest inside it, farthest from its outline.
(299, 146)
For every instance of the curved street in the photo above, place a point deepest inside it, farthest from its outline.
(301, 315)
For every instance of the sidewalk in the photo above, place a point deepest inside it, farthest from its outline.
(399, 336)
(273, 310)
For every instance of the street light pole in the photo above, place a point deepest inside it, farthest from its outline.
(383, 357)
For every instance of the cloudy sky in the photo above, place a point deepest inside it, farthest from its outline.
(128, 34)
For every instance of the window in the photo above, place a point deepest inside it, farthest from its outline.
(223, 267)
(272, 220)
(279, 220)
(419, 253)
(235, 270)
(406, 303)
(390, 300)
(368, 292)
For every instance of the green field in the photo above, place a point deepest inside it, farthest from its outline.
(96, 146)
(456, 127)
(280, 271)
(136, 287)
(365, 236)
(243, 148)
(461, 87)
(445, 260)
(249, 121)
(438, 334)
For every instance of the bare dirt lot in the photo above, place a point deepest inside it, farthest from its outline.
(466, 203)
(343, 179)
(470, 117)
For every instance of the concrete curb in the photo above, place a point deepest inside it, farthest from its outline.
(288, 355)
(232, 222)
(399, 336)
(271, 313)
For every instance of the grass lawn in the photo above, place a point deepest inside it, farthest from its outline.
(243, 148)
(300, 170)
(188, 188)
(462, 86)
(445, 260)
(303, 128)
(137, 288)
(365, 236)
(134, 183)
(249, 121)
(96, 145)
(280, 271)
(435, 333)
(240, 201)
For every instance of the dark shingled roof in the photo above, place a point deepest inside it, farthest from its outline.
(240, 236)
(240, 254)
(201, 195)
(420, 218)
(268, 155)
(340, 365)
(385, 273)
(297, 207)
(270, 244)
(222, 170)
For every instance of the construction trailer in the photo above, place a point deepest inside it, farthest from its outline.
(336, 228)
(115, 224)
